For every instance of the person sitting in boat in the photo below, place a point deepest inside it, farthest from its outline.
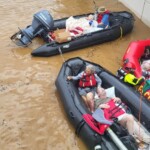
(103, 17)
(89, 82)
(114, 108)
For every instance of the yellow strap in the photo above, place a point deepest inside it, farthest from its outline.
(121, 32)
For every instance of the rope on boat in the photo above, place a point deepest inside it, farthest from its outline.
(121, 32)
(95, 6)
(140, 110)
(60, 51)
(79, 126)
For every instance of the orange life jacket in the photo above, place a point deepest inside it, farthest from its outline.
(87, 80)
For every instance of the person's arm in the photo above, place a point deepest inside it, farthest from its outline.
(117, 99)
(103, 103)
(104, 106)
(98, 80)
(79, 76)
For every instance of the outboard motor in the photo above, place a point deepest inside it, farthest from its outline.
(42, 23)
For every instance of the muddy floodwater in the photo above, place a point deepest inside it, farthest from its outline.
(31, 115)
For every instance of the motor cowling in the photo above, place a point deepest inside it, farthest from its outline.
(42, 22)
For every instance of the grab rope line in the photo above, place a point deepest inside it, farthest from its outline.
(95, 6)
(79, 126)
(60, 51)
(140, 110)
(121, 32)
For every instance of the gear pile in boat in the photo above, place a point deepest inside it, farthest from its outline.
(135, 70)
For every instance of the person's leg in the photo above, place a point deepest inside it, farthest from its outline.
(127, 121)
(140, 133)
(90, 101)
(85, 101)
(83, 93)
(102, 26)
(134, 128)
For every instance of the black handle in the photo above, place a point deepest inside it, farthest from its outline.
(71, 115)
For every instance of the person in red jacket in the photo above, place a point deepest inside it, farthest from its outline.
(89, 82)
(108, 105)
(103, 17)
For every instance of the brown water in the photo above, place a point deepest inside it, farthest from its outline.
(31, 115)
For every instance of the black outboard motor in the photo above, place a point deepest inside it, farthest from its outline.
(42, 23)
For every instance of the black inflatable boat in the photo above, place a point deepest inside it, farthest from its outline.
(75, 109)
(121, 23)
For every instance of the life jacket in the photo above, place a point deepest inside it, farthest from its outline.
(96, 126)
(87, 80)
(115, 109)
(113, 112)
(100, 16)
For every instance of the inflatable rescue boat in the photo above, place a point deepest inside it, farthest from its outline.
(78, 113)
(121, 23)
